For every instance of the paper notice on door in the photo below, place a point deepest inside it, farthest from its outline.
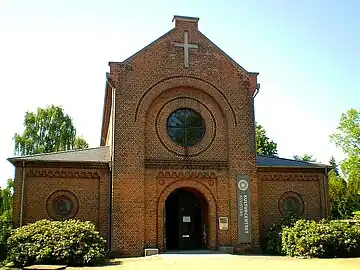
(186, 219)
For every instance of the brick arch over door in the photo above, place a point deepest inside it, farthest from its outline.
(184, 81)
(209, 198)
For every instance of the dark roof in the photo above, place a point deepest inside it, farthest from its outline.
(97, 155)
(102, 155)
(274, 161)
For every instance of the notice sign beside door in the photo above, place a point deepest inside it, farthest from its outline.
(223, 223)
(244, 210)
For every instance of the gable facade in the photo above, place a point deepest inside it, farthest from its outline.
(180, 168)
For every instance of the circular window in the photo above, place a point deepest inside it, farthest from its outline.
(291, 203)
(62, 204)
(185, 127)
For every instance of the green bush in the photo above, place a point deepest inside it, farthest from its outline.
(68, 242)
(356, 215)
(272, 243)
(324, 239)
(5, 229)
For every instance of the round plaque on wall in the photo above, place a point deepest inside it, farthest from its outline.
(62, 204)
(243, 185)
(291, 203)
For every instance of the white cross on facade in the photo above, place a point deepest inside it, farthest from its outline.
(186, 45)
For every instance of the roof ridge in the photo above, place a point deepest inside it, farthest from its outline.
(270, 156)
(147, 46)
(229, 58)
(295, 160)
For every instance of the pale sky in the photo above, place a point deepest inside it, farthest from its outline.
(307, 53)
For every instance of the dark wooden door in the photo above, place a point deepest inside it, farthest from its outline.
(183, 221)
(190, 221)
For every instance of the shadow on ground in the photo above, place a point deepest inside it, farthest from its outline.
(112, 262)
(189, 252)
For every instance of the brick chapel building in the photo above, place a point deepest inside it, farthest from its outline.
(177, 166)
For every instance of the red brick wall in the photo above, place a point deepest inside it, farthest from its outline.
(18, 179)
(144, 87)
(148, 166)
(274, 183)
(160, 183)
(90, 186)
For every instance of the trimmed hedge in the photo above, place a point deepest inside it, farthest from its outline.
(69, 242)
(324, 239)
(273, 237)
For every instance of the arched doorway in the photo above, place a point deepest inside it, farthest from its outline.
(186, 220)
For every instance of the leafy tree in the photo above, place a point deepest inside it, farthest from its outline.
(351, 169)
(339, 200)
(347, 136)
(305, 157)
(348, 133)
(80, 143)
(334, 165)
(47, 130)
(264, 145)
(6, 196)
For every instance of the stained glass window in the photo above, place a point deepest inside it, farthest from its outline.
(185, 127)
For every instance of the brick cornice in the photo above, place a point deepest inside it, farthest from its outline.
(34, 172)
(289, 170)
(186, 164)
(289, 177)
(197, 174)
(62, 164)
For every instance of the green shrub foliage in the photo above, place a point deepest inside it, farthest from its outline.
(356, 215)
(68, 242)
(324, 239)
(5, 229)
(272, 243)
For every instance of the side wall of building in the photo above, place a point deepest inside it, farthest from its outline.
(88, 189)
(309, 185)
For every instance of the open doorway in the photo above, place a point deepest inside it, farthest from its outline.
(186, 219)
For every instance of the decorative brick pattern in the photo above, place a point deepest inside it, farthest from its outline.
(148, 165)
(273, 185)
(213, 86)
(67, 195)
(205, 192)
(89, 186)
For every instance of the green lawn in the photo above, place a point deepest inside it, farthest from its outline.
(229, 262)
